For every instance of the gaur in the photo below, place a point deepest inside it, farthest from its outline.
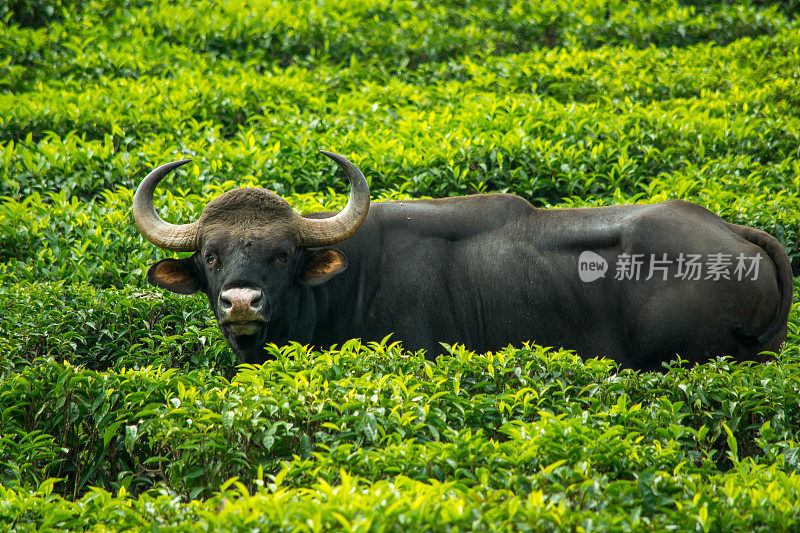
(485, 271)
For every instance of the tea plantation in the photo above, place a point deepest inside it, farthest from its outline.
(121, 406)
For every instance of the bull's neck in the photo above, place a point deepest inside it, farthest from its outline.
(339, 305)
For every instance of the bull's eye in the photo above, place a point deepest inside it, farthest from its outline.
(282, 257)
(211, 259)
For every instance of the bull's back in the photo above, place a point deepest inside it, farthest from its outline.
(438, 259)
(488, 271)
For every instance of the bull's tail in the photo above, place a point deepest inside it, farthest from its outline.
(777, 254)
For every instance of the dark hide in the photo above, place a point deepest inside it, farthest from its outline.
(490, 270)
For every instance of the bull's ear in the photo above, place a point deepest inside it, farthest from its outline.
(323, 265)
(176, 275)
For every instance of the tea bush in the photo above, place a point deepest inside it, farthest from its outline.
(121, 407)
(526, 424)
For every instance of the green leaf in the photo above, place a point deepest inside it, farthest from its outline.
(111, 431)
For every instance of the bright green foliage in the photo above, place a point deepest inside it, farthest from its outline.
(369, 434)
(121, 406)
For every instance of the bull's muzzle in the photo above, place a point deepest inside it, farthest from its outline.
(240, 310)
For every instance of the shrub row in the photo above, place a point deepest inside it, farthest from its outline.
(400, 35)
(411, 32)
(270, 125)
(521, 420)
(746, 498)
(110, 328)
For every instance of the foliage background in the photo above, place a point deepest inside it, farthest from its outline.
(120, 405)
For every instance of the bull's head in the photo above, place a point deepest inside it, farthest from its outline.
(253, 256)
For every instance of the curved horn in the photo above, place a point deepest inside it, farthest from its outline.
(326, 231)
(177, 238)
